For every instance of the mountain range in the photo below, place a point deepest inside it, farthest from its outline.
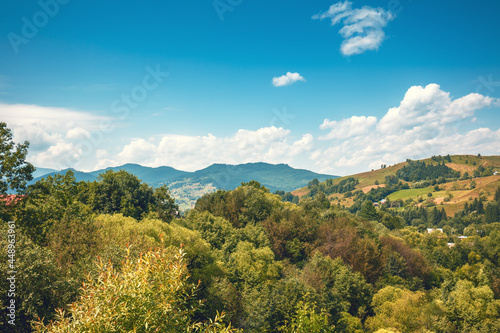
(187, 187)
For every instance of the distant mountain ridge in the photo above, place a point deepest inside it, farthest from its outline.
(40, 172)
(187, 187)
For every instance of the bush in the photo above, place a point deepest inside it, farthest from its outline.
(151, 294)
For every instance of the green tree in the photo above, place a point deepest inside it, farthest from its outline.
(313, 183)
(349, 323)
(151, 294)
(253, 265)
(15, 172)
(368, 211)
(48, 201)
(472, 308)
(122, 192)
(400, 310)
(308, 320)
(341, 289)
(40, 285)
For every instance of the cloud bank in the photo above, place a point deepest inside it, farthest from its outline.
(426, 122)
(58, 137)
(190, 153)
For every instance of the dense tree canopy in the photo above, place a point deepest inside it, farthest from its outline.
(114, 256)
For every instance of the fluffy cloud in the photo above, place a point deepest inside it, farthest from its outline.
(431, 107)
(287, 79)
(347, 128)
(268, 144)
(427, 122)
(363, 28)
(55, 134)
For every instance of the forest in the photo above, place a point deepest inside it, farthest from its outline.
(117, 255)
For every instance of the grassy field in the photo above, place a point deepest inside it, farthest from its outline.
(411, 193)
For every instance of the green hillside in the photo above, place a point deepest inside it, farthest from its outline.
(452, 194)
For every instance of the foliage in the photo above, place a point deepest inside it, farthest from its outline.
(47, 201)
(308, 320)
(472, 308)
(250, 202)
(416, 171)
(258, 261)
(402, 310)
(40, 285)
(122, 192)
(15, 172)
(329, 187)
(288, 196)
(149, 294)
(340, 289)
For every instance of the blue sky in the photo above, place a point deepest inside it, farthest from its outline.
(335, 87)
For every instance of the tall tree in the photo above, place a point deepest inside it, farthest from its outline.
(122, 192)
(15, 172)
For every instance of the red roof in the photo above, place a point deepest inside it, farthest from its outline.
(11, 199)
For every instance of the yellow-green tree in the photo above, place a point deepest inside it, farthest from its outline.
(149, 294)
(401, 310)
(308, 320)
(472, 309)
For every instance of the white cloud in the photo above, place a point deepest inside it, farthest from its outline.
(347, 128)
(56, 156)
(363, 28)
(287, 79)
(427, 122)
(101, 153)
(268, 144)
(54, 133)
(431, 107)
(77, 133)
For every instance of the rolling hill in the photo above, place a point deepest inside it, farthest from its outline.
(187, 187)
(451, 195)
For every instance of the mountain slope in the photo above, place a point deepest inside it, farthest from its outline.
(187, 187)
(40, 172)
(275, 177)
(153, 176)
(451, 195)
